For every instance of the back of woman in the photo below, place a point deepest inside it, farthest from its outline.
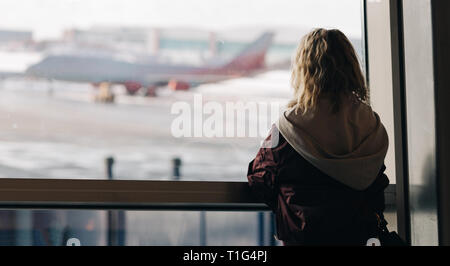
(324, 179)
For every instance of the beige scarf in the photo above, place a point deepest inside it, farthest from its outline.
(349, 146)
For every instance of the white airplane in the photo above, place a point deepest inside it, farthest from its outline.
(134, 75)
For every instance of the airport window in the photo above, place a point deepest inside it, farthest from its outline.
(129, 122)
(157, 93)
(144, 87)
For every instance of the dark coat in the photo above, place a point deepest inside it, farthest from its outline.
(310, 207)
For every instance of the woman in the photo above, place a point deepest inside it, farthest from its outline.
(324, 175)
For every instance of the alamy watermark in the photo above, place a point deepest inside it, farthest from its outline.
(211, 119)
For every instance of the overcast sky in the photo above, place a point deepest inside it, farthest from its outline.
(47, 18)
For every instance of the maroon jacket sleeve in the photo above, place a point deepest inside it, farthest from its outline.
(263, 171)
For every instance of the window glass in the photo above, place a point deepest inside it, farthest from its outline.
(139, 228)
(171, 89)
(135, 228)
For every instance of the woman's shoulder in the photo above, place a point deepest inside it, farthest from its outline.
(274, 149)
(274, 140)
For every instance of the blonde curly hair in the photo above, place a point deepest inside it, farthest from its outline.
(326, 64)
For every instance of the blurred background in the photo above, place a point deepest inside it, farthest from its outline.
(83, 83)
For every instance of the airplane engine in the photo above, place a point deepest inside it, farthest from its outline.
(151, 91)
(132, 87)
(176, 85)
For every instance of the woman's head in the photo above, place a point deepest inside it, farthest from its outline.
(325, 64)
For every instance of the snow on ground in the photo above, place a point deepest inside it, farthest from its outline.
(53, 129)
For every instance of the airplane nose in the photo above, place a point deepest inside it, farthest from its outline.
(32, 70)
